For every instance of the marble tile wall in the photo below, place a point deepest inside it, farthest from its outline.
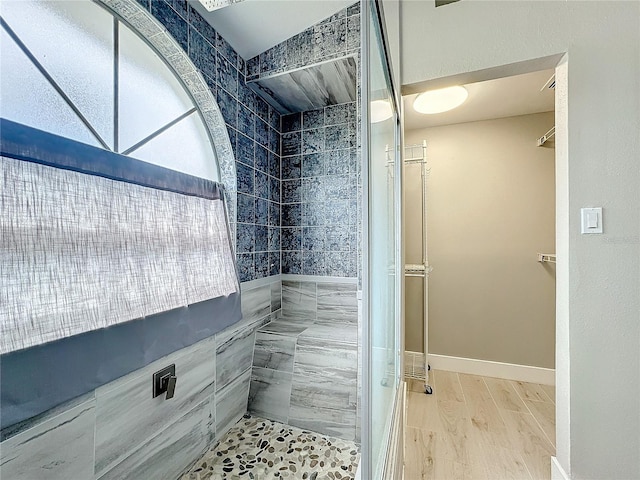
(310, 88)
(126, 415)
(135, 434)
(334, 37)
(163, 455)
(254, 131)
(299, 188)
(305, 365)
(58, 448)
(321, 192)
(120, 431)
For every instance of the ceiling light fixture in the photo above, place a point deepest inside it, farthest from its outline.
(380, 111)
(441, 100)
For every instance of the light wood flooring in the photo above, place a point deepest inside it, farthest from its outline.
(475, 427)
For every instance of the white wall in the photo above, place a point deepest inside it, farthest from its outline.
(598, 334)
(491, 201)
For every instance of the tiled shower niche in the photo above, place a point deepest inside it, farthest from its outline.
(305, 365)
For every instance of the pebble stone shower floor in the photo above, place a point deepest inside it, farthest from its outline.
(260, 449)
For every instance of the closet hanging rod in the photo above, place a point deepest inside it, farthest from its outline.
(547, 257)
(543, 139)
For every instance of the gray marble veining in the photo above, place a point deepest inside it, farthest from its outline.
(32, 422)
(276, 296)
(336, 361)
(299, 299)
(270, 393)
(324, 388)
(304, 413)
(256, 303)
(284, 326)
(338, 423)
(169, 453)
(60, 448)
(231, 403)
(316, 333)
(274, 351)
(311, 391)
(337, 303)
(311, 87)
(337, 315)
(333, 333)
(234, 356)
(335, 293)
(126, 413)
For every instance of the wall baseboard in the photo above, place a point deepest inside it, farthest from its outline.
(557, 472)
(487, 368)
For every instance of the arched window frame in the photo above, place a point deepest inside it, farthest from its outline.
(141, 23)
(158, 38)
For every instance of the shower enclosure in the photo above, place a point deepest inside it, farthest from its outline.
(305, 180)
(383, 253)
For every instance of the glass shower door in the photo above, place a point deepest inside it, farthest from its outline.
(383, 279)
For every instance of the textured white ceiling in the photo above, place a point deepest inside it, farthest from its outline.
(253, 26)
(503, 97)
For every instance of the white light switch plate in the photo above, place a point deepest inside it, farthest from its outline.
(591, 220)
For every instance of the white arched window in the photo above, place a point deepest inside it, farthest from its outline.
(74, 69)
(118, 247)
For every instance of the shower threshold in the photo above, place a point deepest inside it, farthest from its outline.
(260, 449)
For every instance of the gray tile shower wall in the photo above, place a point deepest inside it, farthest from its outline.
(321, 191)
(333, 37)
(305, 365)
(60, 447)
(301, 217)
(120, 431)
(163, 455)
(127, 416)
(321, 201)
(253, 128)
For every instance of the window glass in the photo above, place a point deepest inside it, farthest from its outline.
(27, 97)
(74, 43)
(150, 96)
(183, 147)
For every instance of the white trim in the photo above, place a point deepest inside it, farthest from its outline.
(487, 368)
(557, 472)
(289, 277)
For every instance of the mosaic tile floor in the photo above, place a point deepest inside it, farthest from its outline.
(260, 449)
